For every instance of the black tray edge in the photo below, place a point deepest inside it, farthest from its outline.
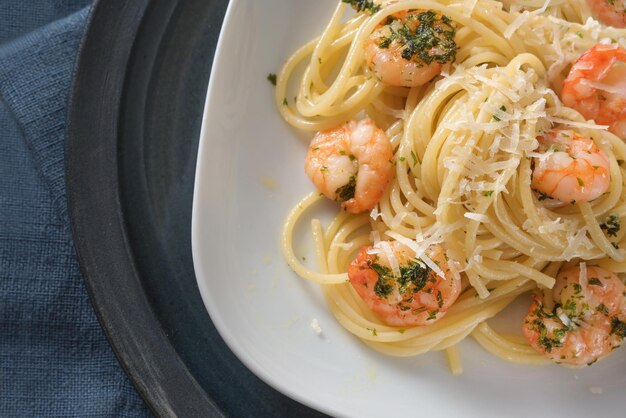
(147, 358)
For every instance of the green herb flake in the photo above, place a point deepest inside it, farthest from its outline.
(618, 327)
(363, 5)
(426, 37)
(285, 102)
(414, 158)
(611, 225)
(347, 191)
(488, 193)
(580, 181)
(602, 309)
(373, 331)
(548, 342)
(414, 273)
(579, 34)
(432, 315)
(272, 78)
(570, 305)
(543, 196)
(594, 281)
(382, 288)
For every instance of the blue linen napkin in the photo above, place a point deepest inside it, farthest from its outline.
(54, 357)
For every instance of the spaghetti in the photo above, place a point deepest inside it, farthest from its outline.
(463, 145)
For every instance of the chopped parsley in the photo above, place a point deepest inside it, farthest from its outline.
(543, 196)
(548, 339)
(382, 288)
(346, 192)
(570, 306)
(427, 37)
(611, 226)
(413, 278)
(272, 78)
(618, 327)
(603, 309)
(363, 5)
(580, 181)
(432, 315)
(373, 331)
(414, 273)
(439, 300)
(594, 281)
(285, 102)
(488, 193)
(414, 157)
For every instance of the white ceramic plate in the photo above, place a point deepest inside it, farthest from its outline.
(249, 175)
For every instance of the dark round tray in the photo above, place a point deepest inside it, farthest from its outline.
(134, 123)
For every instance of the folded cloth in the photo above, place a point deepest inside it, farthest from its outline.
(54, 357)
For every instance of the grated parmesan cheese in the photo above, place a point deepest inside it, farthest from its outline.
(346, 246)
(582, 276)
(479, 217)
(315, 325)
(564, 318)
(523, 18)
(468, 7)
(375, 213)
(616, 90)
(576, 244)
(596, 390)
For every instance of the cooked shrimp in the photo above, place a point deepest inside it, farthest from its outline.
(570, 168)
(588, 319)
(400, 288)
(596, 87)
(410, 48)
(352, 163)
(609, 12)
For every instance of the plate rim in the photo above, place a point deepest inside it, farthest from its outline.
(206, 291)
